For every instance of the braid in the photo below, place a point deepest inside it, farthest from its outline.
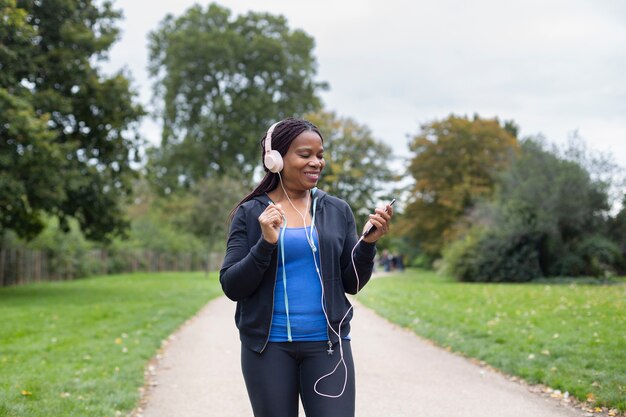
(284, 133)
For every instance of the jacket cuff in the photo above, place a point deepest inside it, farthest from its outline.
(367, 249)
(263, 249)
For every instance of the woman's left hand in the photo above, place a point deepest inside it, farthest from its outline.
(381, 219)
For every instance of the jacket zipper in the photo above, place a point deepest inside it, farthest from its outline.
(325, 306)
(269, 330)
(322, 284)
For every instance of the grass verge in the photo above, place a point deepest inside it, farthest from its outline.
(79, 348)
(569, 337)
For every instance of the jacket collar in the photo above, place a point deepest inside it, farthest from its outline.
(318, 194)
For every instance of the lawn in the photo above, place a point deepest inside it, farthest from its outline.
(79, 348)
(569, 337)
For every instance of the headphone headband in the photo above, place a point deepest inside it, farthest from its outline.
(272, 160)
(268, 138)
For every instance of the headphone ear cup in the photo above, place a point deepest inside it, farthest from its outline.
(274, 161)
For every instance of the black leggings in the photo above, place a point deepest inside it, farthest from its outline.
(284, 371)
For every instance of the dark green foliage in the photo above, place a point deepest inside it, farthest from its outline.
(219, 83)
(499, 257)
(560, 194)
(156, 238)
(29, 162)
(548, 218)
(567, 208)
(596, 254)
(67, 133)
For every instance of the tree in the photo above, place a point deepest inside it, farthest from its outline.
(219, 82)
(548, 217)
(204, 210)
(68, 134)
(568, 208)
(455, 165)
(357, 165)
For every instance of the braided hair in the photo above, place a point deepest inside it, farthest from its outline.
(284, 133)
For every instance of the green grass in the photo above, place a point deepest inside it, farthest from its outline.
(569, 337)
(79, 348)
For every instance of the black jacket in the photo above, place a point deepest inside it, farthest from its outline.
(248, 274)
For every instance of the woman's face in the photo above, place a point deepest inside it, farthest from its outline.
(303, 162)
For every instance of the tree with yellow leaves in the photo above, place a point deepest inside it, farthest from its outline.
(455, 165)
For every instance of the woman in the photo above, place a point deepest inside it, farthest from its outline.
(292, 254)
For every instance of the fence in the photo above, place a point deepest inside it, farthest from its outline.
(23, 266)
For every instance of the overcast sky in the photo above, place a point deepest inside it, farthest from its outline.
(553, 66)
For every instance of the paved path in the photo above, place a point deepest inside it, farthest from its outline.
(398, 375)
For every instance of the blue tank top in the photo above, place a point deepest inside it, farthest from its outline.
(298, 313)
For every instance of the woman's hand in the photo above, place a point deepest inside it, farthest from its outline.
(381, 219)
(271, 220)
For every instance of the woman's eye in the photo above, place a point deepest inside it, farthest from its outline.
(307, 156)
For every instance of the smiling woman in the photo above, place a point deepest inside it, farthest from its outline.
(292, 254)
(304, 162)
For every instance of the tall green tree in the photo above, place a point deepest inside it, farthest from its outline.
(68, 133)
(219, 82)
(357, 165)
(564, 204)
(455, 165)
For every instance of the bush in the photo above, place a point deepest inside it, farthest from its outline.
(494, 257)
(458, 257)
(548, 218)
(70, 255)
(600, 255)
(69, 252)
(421, 261)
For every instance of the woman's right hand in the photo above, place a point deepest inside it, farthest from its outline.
(271, 220)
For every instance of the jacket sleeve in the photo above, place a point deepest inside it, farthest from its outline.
(363, 258)
(244, 266)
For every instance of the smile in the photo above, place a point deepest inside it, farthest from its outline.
(312, 175)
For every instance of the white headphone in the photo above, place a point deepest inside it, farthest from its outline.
(272, 160)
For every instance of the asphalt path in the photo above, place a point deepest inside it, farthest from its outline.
(398, 374)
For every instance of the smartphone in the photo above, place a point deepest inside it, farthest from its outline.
(372, 227)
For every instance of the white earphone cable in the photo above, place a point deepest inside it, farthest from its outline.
(303, 216)
(341, 357)
(311, 242)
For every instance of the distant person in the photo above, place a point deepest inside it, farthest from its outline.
(385, 260)
(288, 265)
(393, 259)
(400, 262)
